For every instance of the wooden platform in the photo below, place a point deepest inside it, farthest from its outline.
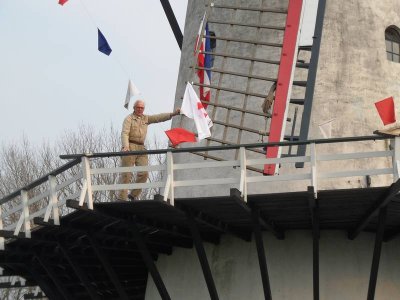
(101, 253)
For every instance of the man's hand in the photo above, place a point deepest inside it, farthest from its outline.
(125, 149)
(177, 111)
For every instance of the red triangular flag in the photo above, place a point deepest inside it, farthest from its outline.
(62, 2)
(385, 109)
(180, 135)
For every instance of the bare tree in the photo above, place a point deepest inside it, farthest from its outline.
(22, 163)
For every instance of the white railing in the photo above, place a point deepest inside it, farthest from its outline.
(76, 179)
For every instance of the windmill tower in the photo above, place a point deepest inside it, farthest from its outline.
(330, 61)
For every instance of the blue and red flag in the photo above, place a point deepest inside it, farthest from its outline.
(204, 62)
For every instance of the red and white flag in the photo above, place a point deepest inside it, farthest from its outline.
(204, 61)
(194, 109)
(386, 110)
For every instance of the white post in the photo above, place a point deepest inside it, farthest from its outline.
(27, 223)
(313, 159)
(36, 292)
(87, 182)
(169, 186)
(396, 158)
(243, 175)
(53, 202)
(1, 238)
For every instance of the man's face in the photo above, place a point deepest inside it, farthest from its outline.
(139, 108)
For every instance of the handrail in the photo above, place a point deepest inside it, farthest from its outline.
(42, 179)
(85, 186)
(226, 147)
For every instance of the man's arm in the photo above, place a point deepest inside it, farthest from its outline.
(163, 117)
(126, 127)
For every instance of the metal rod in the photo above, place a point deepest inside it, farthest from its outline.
(227, 147)
(377, 253)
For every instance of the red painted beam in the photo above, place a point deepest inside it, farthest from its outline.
(285, 79)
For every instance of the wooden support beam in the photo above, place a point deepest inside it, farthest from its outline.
(44, 284)
(261, 253)
(201, 253)
(377, 253)
(79, 272)
(392, 192)
(142, 247)
(53, 276)
(108, 268)
(314, 212)
(236, 195)
(17, 285)
(144, 251)
(40, 295)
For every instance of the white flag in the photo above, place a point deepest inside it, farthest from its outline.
(326, 128)
(193, 108)
(132, 91)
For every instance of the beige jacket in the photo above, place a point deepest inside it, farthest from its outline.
(134, 128)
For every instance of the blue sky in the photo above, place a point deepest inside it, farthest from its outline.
(52, 78)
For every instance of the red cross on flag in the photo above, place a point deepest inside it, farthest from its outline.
(194, 109)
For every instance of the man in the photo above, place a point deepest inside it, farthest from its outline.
(133, 135)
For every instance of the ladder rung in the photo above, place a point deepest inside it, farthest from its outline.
(305, 48)
(214, 87)
(271, 10)
(272, 62)
(247, 25)
(297, 101)
(244, 41)
(241, 128)
(300, 83)
(237, 74)
(267, 61)
(253, 112)
(302, 65)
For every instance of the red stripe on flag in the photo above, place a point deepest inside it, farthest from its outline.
(283, 82)
(386, 111)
